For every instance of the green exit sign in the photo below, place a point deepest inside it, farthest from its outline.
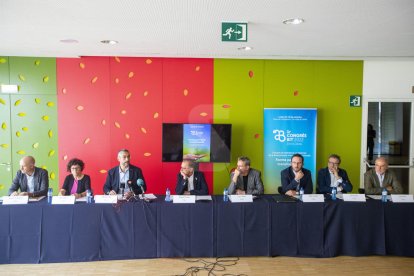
(233, 31)
(354, 101)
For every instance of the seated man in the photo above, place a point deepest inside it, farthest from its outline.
(245, 180)
(124, 178)
(296, 177)
(333, 176)
(378, 178)
(190, 182)
(31, 180)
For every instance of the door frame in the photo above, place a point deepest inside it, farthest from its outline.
(364, 141)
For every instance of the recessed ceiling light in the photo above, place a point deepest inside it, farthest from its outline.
(69, 40)
(293, 21)
(112, 42)
(245, 48)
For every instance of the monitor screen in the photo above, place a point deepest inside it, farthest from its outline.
(199, 142)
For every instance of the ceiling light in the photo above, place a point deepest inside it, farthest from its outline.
(293, 21)
(112, 42)
(245, 48)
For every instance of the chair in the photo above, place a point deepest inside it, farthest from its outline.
(361, 190)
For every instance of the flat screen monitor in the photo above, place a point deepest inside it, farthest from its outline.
(199, 142)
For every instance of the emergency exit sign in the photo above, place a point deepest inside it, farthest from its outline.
(233, 31)
(355, 101)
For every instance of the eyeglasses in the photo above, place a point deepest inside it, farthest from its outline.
(333, 163)
(75, 168)
(184, 168)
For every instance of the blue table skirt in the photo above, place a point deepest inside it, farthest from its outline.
(42, 233)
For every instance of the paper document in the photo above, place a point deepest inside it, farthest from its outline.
(150, 196)
(379, 197)
(81, 199)
(34, 199)
(203, 197)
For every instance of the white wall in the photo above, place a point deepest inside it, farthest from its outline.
(387, 80)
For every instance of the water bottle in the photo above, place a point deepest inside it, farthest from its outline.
(225, 195)
(384, 195)
(49, 195)
(333, 194)
(301, 192)
(88, 196)
(168, 195)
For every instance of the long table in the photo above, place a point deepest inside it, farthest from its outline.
(42, 233)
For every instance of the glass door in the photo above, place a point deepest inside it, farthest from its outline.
(389, 133)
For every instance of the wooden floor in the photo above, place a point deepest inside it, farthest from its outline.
(244, 266)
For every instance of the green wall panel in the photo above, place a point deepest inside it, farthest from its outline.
(238, 100)
(34, 132)
(5, 144)
(33, 75)
(325, 85)
(4, 70)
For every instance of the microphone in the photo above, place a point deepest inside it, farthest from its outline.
(140, 184)
(122, 188)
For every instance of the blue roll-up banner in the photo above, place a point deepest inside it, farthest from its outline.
(288, 131)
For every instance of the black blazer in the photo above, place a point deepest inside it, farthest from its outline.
(112, 180)
(40, 179)
(200, 184)
(289, 182)
(83, 184)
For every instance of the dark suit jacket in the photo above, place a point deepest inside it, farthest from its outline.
(83, 184)
(372, 183)
(40, 179)
(200, 184)
(289, 182)
(112, 180)
(324, 181)
(254, 183)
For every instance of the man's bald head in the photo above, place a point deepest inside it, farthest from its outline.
(27, 164)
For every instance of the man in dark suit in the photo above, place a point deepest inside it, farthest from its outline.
(124, 178)
(190, 182)
(333, 176)
(380, 177)
(245, 180)
(296, 177)
(31, 180)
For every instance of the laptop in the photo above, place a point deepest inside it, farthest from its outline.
(284, 198)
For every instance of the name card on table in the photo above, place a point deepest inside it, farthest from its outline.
(13, 200)
(313, 198)
(402, 198)
(184, 199)
(108, 199)
(354, 197)
(63, 200)
(241, 198)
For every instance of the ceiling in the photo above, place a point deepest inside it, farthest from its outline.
(333, 29)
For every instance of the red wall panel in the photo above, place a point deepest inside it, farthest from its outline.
(187, 98)
(136, 122)
(107, 103)
(83, 100)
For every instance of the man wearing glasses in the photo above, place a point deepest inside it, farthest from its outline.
(245, 180)
(189, 181)
(332, 176)
(296, 177)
